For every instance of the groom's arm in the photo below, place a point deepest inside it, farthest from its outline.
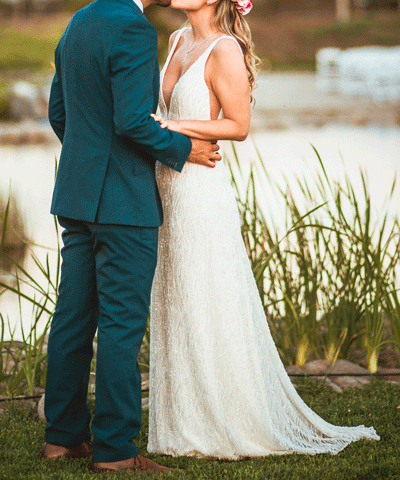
(56, 101)
(133, 58)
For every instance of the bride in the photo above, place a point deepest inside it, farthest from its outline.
(217, 385)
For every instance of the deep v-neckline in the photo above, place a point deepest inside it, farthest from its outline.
(167, 63)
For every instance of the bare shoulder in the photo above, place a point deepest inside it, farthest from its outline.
(227, 54)
(227, 46)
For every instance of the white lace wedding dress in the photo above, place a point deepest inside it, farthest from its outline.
(217, 384)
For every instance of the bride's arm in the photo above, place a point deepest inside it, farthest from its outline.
(226, 75)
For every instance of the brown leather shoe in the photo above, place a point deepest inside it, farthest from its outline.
(58, 451)
(140, 463)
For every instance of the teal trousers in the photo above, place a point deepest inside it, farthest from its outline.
(106, 277)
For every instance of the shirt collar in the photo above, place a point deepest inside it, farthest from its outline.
(139, 4)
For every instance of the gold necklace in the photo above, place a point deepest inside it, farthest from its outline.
(198, 45)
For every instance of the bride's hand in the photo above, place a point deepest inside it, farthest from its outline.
(170, 124)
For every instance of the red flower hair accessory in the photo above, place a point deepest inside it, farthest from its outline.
(243, 6)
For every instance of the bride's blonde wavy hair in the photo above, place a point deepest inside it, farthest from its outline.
(231, 22)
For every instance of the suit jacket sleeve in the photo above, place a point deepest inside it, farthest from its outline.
(56, 102)
(133, 58)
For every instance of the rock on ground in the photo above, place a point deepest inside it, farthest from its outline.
(26, 101)
(337, 383)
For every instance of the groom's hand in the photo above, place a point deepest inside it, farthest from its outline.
(204, 153)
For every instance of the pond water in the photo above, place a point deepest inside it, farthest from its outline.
(345, 150)
(28, 173)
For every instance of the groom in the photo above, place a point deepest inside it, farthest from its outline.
(104, 90)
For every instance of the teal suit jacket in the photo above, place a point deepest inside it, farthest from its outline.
(105, 87)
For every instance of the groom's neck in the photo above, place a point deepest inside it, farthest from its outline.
(160, 3)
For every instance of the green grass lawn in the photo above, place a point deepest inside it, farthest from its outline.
(378, 404)
(286, 42)
(27, 50)
(23, 51)
(29, 43)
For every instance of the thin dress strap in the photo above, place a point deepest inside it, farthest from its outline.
(165, 67)
(212, 45)
(171, 52)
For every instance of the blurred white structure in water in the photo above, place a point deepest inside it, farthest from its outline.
(327, 78)
(370, 71)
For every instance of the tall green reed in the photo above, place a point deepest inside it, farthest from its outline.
(328, 284)
(23, 363)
